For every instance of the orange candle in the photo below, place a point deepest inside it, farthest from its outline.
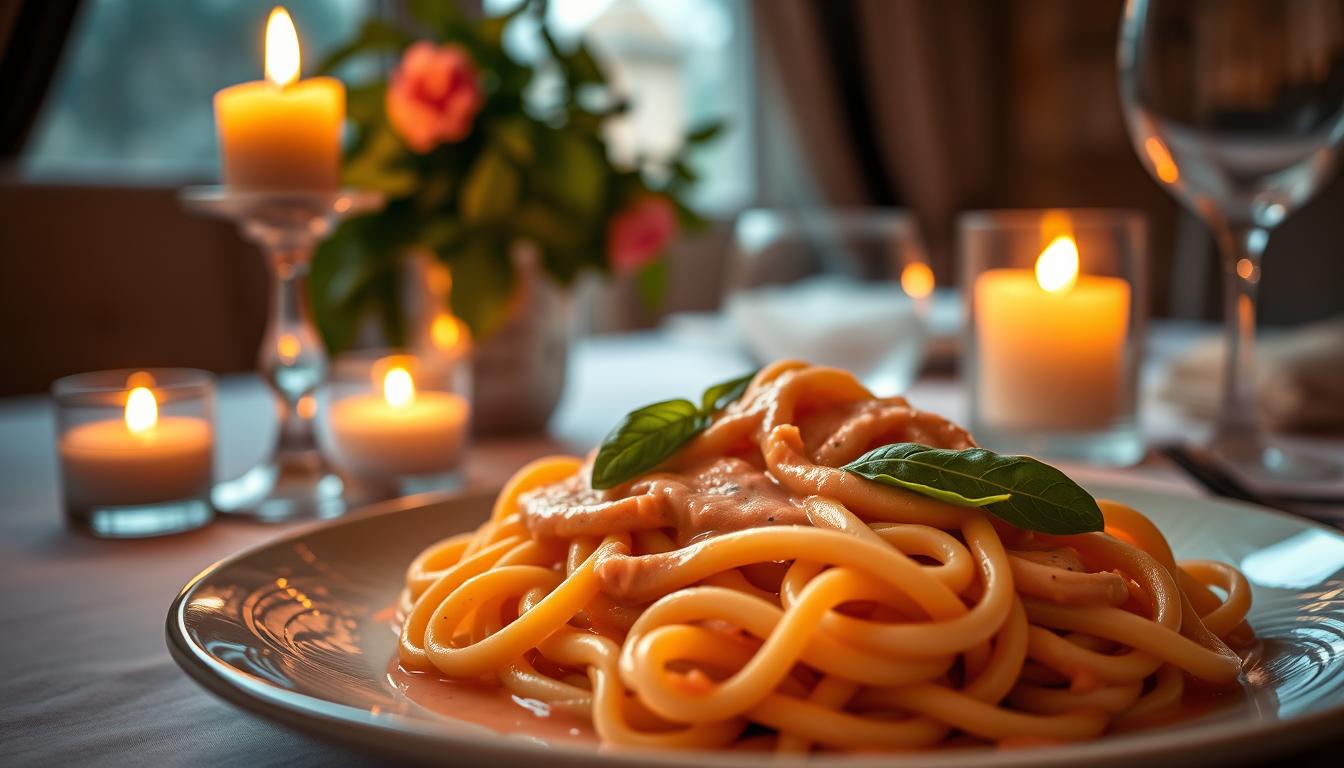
(1051, 348)
(281, 133)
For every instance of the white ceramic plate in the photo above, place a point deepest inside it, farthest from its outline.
(298, 630)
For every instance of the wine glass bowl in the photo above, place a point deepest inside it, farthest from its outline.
(850, 288)
(1237, 108)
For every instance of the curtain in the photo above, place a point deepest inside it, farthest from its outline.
(890, 103)
(32, 36)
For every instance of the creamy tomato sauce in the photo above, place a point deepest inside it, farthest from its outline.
(492, 707)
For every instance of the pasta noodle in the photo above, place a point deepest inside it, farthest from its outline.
(749, 591)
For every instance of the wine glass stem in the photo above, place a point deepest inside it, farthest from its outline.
(1238, 428)
(292, 359)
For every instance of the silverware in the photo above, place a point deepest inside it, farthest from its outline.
(1210, 473)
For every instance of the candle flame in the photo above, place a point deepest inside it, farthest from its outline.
(142, 410)
(445, 332)
(917, 280)
(140, 379)
(1057, 266)
(398, 388)
(282, 48)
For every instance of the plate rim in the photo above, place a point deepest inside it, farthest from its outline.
(334, 721)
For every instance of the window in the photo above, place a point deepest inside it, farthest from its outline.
(132, 100)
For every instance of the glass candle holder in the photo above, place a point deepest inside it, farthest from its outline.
(1056, 302)
(136, 450)
(395, 422)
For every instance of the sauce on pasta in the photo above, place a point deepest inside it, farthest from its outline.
(749, 593)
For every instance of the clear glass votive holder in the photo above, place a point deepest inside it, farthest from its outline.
(136, 450)
(396, 423)
(1056, 303)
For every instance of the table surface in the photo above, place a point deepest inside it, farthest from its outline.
(85, 677)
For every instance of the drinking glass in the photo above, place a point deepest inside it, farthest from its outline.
(1237, 108)
(850, 288)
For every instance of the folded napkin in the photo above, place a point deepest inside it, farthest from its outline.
(1299, 378)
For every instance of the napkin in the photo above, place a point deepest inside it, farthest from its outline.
(1299, 382)
(865, 327)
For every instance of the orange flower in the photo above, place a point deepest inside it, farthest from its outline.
(433, 96)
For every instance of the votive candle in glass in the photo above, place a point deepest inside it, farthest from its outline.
(1056, 302)
(395, 422)
(136, 450)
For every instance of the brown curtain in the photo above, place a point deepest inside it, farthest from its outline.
(890, 101)
(32, 35)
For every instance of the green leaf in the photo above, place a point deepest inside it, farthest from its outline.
(441, 17)
(547, 226)
(572, 172)
(951, 497)
(644, 439)
(482, 283)
(583, 68)
(345, 268)
(365, 104)
(492, 28)
(682, 172)
(514, 137)
(490, 191)
(379, 165)
(719, 396)
(704, 133)
(651, 284)
(1040, 497)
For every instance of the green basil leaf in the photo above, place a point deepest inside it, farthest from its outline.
(719, 396)
(651, 285)
(951, 497)
(644, 439)
(1041, 498)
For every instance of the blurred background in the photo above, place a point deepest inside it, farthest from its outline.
(936, 107)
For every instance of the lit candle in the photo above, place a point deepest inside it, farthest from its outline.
(399, 431)
(1051, 343)
(281, 132)
(140, 459)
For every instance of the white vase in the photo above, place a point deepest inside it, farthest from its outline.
(519, 370)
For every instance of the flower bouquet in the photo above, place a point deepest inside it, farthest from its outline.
(477, 152)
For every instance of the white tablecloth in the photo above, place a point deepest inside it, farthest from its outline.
(85, 678)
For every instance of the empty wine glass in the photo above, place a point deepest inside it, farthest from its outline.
(1237, 108)
(843, 287)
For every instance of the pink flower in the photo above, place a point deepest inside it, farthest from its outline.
(637, 235)
(433, 96)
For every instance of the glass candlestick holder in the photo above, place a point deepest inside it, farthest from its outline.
(293, 481)
(136, 450)
(397, 423)
(1056, 302)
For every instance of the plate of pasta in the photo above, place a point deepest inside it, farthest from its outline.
(786, 568)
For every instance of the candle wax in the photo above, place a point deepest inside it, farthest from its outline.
(1050, 360)
(372, 438)
(274, 137)
(105, 464)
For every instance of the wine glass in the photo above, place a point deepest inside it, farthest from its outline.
(1237, 108)
(850, 288)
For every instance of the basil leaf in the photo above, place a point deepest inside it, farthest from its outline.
(719, 396)
(644, 439)
(1040, 497)
(951, 497)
